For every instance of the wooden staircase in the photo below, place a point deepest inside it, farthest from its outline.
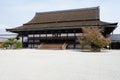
(53, 46)
(64, 46)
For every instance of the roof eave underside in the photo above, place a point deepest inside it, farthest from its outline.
(23, 28)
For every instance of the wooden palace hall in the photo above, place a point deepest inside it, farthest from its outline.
(59, 29)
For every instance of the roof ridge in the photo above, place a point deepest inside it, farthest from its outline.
(67, 10)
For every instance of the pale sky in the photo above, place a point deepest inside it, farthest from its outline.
(15, 13)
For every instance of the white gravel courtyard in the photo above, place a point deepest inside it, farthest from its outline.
(31, 64)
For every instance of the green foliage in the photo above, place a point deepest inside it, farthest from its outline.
(11, 43)
(17, 44)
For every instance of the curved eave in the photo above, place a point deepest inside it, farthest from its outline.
(17, 30)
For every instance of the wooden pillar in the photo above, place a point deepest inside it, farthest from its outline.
(52, 34)
(33, 40)
(74, 39)
(67, 33)
(60, 34)
(82, 45)
(39, 39)
(39, 35)
(46, 34)
(22, 40)
(27, 42)
(27, 38)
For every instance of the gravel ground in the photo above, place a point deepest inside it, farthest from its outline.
(31, 64)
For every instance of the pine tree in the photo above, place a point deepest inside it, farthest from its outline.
(11, 43)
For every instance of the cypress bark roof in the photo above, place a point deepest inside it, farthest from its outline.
(66, 15)
(65, 18)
